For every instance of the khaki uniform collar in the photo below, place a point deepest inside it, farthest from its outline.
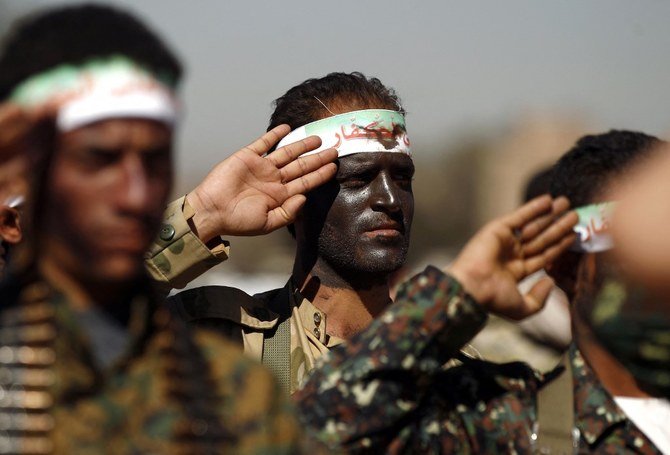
(313, 320)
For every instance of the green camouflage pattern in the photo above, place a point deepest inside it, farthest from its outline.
(177, 255)
(387, 390)
(177, 389)
(634, 326)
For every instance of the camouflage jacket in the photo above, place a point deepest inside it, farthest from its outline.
(177, 389)
(387, 390)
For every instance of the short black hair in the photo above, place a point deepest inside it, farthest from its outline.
(339, 92)
(75, 34)
(538, 184)
(583, 173)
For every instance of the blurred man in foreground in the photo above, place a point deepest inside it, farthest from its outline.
(91, 361)
(394, 395)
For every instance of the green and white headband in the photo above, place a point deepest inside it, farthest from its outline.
(370, 130)
(593, 228)
(100, 89)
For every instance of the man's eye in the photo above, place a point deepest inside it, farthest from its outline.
(157, 156)
(355, 181)
(99, 157)
(404, 179)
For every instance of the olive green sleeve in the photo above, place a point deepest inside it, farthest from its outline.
(177, 255)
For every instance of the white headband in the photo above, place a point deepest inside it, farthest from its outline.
(593, 228)
(370, 130)
(100, 89)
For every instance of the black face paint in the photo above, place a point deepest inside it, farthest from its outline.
(360, 222)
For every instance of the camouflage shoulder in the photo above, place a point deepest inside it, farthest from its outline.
(254, 407)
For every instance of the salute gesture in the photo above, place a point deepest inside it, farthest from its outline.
(252, 193)
(510, 248)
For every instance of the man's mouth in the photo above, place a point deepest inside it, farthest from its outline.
(133, 239)
(387, 230)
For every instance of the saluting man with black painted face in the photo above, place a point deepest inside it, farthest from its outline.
(352, 233)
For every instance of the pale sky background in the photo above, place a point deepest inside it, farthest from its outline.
(458, 66)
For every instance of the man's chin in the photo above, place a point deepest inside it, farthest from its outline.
(382, 262)
(119, 270)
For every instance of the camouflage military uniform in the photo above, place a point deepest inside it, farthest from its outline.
(175, 390)
(387, 388)
(634, 325)
(179, 256)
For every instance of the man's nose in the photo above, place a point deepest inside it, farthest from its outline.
(134, 192)
(385, 193)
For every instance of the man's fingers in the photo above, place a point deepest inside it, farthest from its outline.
(283, 156)
(541, 261)
(530, 210)
(536, 226)
(307, 164)
(308, 182)
(552, 234)
(263, 144)
(534, 299)
(286, 213)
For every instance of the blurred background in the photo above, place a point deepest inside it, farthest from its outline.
(494, 90)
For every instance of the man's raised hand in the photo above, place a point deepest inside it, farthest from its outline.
(510, 248)
(251, 193)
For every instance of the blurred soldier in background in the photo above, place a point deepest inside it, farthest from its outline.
(351, 235)
(631, 316)
(394, 394)
(10, 227)
(19, 136)
(91, 362)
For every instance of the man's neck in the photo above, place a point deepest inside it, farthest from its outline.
(349, 307)
(613, 375)
(83, 295)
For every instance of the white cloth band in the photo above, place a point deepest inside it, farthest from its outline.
(593, 228)
(100, 89)
(370, 130)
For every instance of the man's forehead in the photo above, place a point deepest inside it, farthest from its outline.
(375, 160)
(121, 132)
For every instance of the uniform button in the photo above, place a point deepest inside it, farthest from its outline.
(167, 232)
(317, 318)
(317, 332)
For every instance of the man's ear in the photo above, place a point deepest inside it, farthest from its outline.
(10, 225)
(564, 272)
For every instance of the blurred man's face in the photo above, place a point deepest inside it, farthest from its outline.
(104, 199)
(362, 219)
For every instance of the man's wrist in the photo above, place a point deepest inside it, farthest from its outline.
(199, 218)
(470, 283)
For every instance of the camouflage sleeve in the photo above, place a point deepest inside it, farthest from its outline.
(360, 393)
(178, 256)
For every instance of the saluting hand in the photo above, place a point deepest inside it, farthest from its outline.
(251, 194)
(510, 248)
